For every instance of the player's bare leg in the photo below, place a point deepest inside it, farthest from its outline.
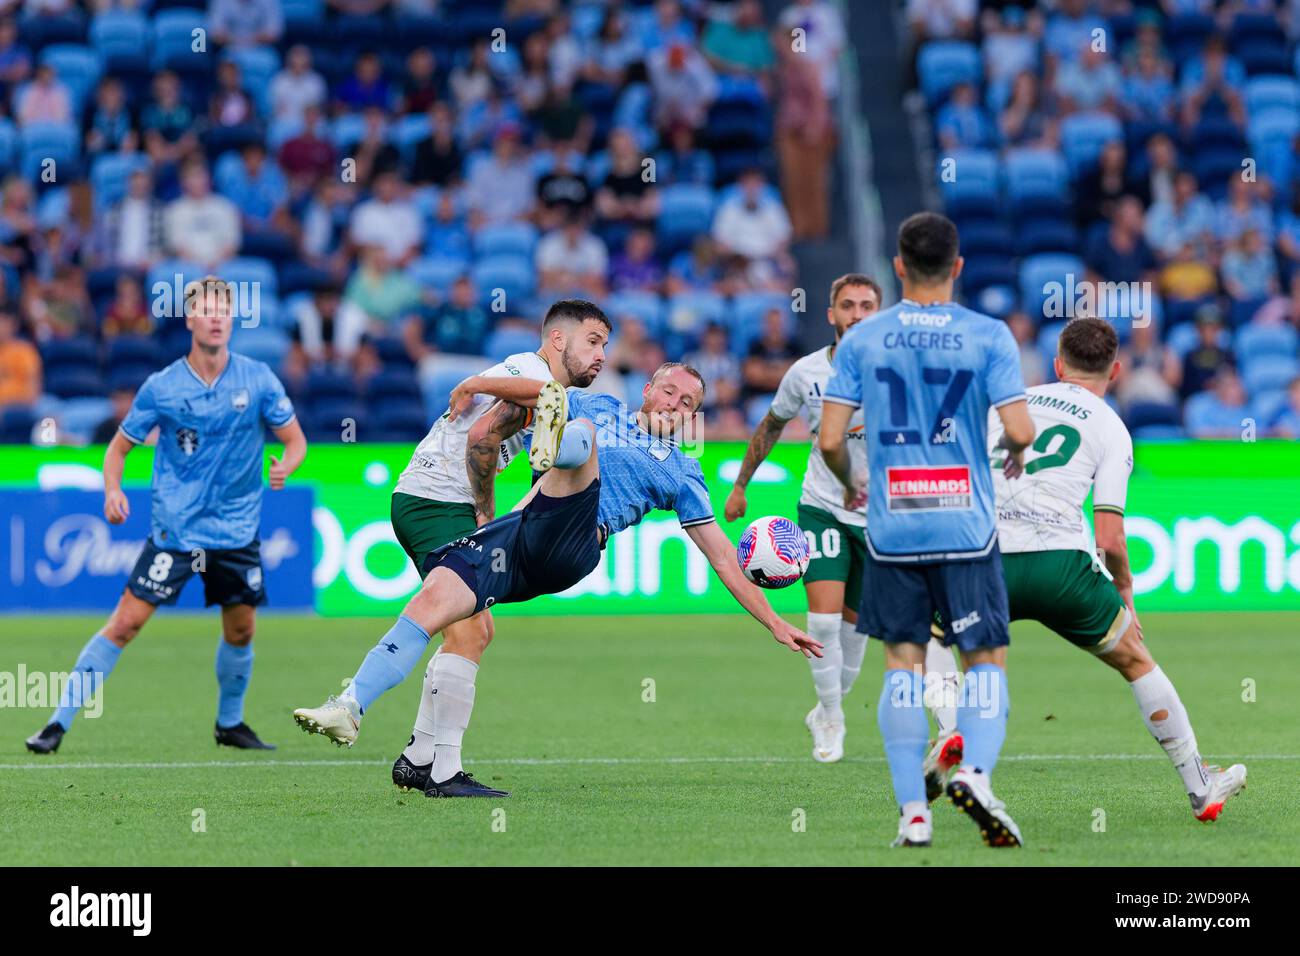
(442, 600)
(234, 670)
(825, 624)
(1208, 787)
(93, 665)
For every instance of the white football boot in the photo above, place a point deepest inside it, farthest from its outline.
(1224, 784)
(548, 426)
(916, 830)
(943, 758)
(827, 735)
(339, 719)
(970, 793)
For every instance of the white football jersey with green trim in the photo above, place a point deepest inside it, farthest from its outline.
(437, 468)
(1080, 445)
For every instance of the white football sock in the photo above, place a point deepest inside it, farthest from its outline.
(826, 669)
(941, 691)
(852, 648)
(420, 750)
(1154, 693)
(452, 689)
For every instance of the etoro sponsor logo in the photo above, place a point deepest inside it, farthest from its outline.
(928, 489)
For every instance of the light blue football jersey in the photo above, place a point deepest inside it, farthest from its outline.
(925, 378)
(207, 467)
(638, 472)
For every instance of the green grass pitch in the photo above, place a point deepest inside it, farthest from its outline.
(716, 770)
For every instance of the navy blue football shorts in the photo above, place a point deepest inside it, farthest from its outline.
(545, 548)
(231, 576)
(899, 601)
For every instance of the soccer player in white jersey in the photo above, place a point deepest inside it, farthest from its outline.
(836, 540)
(1052, 574)
(440, 498)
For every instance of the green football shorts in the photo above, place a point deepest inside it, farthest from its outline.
(1067, 592)
(423, 525)
(836, 551)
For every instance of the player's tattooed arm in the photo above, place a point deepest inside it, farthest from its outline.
(507, 388)
(717, 547)
(484, 448)
(760, 446)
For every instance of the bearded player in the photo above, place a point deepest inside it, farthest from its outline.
(605, 467)
(443, 495)
(1052, 574)
(836, 541)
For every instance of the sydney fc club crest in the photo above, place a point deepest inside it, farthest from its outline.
(188, 440)
(239, 400)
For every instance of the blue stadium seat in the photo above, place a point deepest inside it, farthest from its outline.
(1255, 341)
(38, 32)
(16, 424)
(60, 142)
(74, 382)
(325, 422)
(685, 211)
(80, 352)
(1270, 404)
(1264, 93)
(1037, 271)
(249, 269)
(506, 341)
(81, 416)
(262, 342)
(987, 271)
(404, 423)
(407, 133)
(1159, 433)
(1199, 413)
(326, 384)
(121, 37)
(993, 238)
(1047, 236)
(1268, 372)
(513, 275)
(646, 307)
(392, 353)
(1182, 338)
(257, 66)
(511, 238)
(942, 64)
(347, 129)
(393, 383)
(134, 348)
(437, 273)
(1033, 171)
(1084, 134)
(687, 313)
(745, 317)
(79, 67)
(172, 46)
(8, 146)
(110, 173)
(1143, 414)
(1186, 33)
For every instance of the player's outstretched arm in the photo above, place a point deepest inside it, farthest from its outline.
(483, 447)
(295, 450)
(835, 451)
(116, 508)
(760, 446)
(1017, 435)
(517, 391)
(1109, 531)
(722, 556)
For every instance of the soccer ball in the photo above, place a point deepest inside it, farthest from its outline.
(773, 552)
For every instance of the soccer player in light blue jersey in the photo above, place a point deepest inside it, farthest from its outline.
(604, 467)
(210, 409)
(925, 373)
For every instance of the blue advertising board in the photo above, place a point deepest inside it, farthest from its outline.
(59, 552)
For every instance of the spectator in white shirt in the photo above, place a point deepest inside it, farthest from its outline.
(501, 188)
(200, 226)
(753, 223)
(572, 261)
(684, 85)
(297, 86)
(388, 220)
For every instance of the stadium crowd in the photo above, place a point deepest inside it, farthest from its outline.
(1148, 144)
(396, 187)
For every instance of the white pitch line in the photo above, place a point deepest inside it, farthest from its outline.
(53, 764)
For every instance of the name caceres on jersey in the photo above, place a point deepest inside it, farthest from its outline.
(1080, 445)
(437, 468)
(801, 390)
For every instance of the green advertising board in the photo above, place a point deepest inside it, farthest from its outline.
(1211, 525)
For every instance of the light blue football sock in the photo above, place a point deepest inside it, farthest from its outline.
(575, 445)
(982, 709)
(389, 661)
(906, 731)
(234, 669)
(94, 664)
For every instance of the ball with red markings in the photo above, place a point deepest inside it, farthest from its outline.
(773, 552)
